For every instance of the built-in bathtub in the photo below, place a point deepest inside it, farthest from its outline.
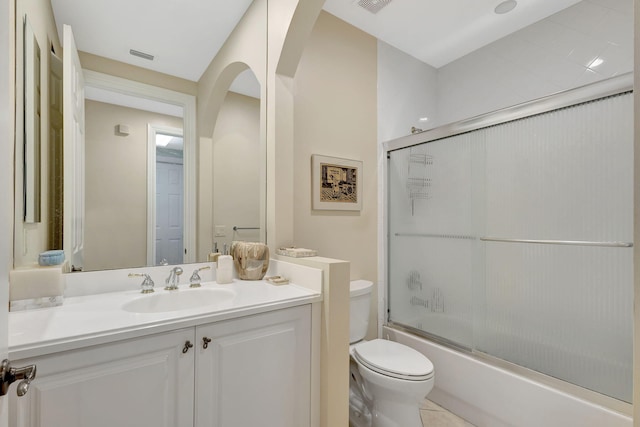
(489, 396)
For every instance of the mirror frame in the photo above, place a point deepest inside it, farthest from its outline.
(188, 104)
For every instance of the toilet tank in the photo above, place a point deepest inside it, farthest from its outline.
(359, 304)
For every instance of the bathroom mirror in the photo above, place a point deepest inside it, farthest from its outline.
(103, 250)
(32, 123)
(237, 164)
(135, 169)
(134, 211)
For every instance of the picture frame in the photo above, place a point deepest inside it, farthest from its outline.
(336, 183)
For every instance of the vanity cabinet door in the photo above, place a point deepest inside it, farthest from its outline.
(138, 382)
(255, 371)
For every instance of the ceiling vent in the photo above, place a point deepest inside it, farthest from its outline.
(373, 6)
(141, 54)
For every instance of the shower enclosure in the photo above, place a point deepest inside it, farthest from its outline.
(510, 236)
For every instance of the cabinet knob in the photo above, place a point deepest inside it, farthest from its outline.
(205, 342)
(187, 346)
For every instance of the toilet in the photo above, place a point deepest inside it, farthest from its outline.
(389, 381)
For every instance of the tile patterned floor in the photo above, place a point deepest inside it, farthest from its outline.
(434, 415)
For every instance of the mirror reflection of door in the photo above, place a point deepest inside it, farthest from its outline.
(55, 166)
(74, 140)
(168, 246)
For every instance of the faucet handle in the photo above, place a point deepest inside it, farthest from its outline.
(195, 277)
(147, 284)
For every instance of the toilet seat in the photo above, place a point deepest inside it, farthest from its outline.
(394, 360)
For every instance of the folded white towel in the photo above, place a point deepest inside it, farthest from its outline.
(36, 282)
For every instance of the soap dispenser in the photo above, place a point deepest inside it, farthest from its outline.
(224, 270)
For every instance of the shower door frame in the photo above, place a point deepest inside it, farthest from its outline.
(602, 89)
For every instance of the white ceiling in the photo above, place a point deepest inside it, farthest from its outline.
(440, 31)
(184, 35)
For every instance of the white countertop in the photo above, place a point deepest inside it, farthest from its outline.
(96, 319)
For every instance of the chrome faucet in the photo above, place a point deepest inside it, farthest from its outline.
(147, 284)
(195, 277)
(173, 279)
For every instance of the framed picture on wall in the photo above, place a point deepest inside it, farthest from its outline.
(336, 183)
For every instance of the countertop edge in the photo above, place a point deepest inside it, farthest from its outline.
(113, 335)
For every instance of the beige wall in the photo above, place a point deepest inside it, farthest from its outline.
(245, 48)
(231, 175)
(32, 238)
(131, 72)
(116, 185)
(236, 168)
(335, 115)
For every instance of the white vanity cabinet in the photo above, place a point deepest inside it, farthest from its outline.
(146, 381)
(253, 370)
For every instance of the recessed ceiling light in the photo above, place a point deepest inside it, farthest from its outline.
(424, 119)
(163, 140)
(505, 6)
(596, 62)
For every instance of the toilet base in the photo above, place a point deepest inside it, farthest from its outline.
(358, 418)
(359, 411)
(379, 401)
(393, 414)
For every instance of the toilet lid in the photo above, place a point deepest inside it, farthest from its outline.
(393, 359)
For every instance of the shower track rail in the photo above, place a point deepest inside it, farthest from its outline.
(530, 241)
(602, 89)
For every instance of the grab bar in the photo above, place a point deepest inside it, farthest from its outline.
(236, 228)
(560, 242)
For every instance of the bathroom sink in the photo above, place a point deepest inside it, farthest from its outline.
(183, 299)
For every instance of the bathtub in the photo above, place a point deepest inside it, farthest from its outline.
(489, 396)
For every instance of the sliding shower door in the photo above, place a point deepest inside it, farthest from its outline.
(432, 244)
(515, 241)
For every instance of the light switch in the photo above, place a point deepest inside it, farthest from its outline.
(220, 230)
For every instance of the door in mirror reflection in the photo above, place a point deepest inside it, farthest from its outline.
(74, 153)
(169, 222)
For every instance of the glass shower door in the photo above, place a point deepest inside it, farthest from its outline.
(515, 241)
(558, 294)
(431, 238)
